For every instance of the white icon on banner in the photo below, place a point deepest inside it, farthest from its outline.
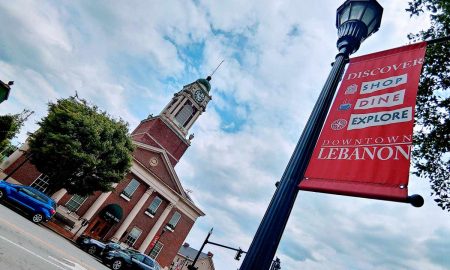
(339, 124)
(351, 89)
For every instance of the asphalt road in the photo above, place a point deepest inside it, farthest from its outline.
(25, 246)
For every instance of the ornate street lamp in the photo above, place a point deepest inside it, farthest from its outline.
(356, 20)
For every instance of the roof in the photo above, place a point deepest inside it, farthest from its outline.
(190, 253)
(205, 83)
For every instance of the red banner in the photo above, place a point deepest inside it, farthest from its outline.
(364, 148)
(154, 241)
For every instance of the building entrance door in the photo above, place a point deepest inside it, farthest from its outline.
(99, 228)
(104, 221)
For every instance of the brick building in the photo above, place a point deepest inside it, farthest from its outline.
(149, 210)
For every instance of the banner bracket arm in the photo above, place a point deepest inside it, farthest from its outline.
(415, 200)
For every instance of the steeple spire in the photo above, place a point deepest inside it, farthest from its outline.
(214, 71)
(187, 105)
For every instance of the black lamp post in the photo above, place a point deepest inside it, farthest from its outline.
(356, 20)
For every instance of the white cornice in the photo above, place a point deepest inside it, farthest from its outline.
(182, 203)
(167, 163)
(159, 149)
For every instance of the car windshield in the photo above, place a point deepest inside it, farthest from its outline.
(131, 251)
(113, 245)
(37, 195)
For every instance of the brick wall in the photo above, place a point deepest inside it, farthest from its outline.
(161, 171)
(163, 135)
(26, 174)
(173, 240)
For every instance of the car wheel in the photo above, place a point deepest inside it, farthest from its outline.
(91, 250)
(117, 264)
(37, 218)
(1, 194)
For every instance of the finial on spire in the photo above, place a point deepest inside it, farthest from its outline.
(209, 77)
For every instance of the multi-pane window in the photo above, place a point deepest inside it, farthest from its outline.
(174, 220)
(75, 202)
(133, 236)
(131, 188)
(41, 183)
(185, 114)
(154, 205)
(156, 250)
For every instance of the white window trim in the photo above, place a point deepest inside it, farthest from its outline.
(126, 237)
(40, 179)
(159, 251)
(149, 214)
(65, 205)
(148, 208)
(131, 195)
(125, 197)
(171, 226)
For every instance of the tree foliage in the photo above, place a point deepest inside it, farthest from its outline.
(10, 125)
(80, 148)
(431, 154)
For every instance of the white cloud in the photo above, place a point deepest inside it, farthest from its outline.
(129, 58)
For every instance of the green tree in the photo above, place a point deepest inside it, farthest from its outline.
(431, 154)
(10, 125)
(80, 148)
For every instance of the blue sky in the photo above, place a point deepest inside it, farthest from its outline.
(130, 57)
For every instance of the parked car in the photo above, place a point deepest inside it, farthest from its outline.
(40, 206)
(95, 247)
(129, 259)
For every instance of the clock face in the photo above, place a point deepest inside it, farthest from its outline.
(199, 95)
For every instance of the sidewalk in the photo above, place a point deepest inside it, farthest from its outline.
(59, 230)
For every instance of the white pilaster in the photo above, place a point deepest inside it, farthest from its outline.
(59, 194)
(188, 126)
(94, 208)
(155, 228)
(181, 104)
(126, 223)
(14, 156)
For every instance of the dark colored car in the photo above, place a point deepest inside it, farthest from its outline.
(40, 206)
(95, 247)
(130, 260)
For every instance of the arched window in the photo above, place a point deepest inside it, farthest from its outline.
(185, 114)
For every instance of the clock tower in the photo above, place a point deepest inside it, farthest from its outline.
(169, 129)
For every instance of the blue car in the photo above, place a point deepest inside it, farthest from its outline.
(40, 206)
